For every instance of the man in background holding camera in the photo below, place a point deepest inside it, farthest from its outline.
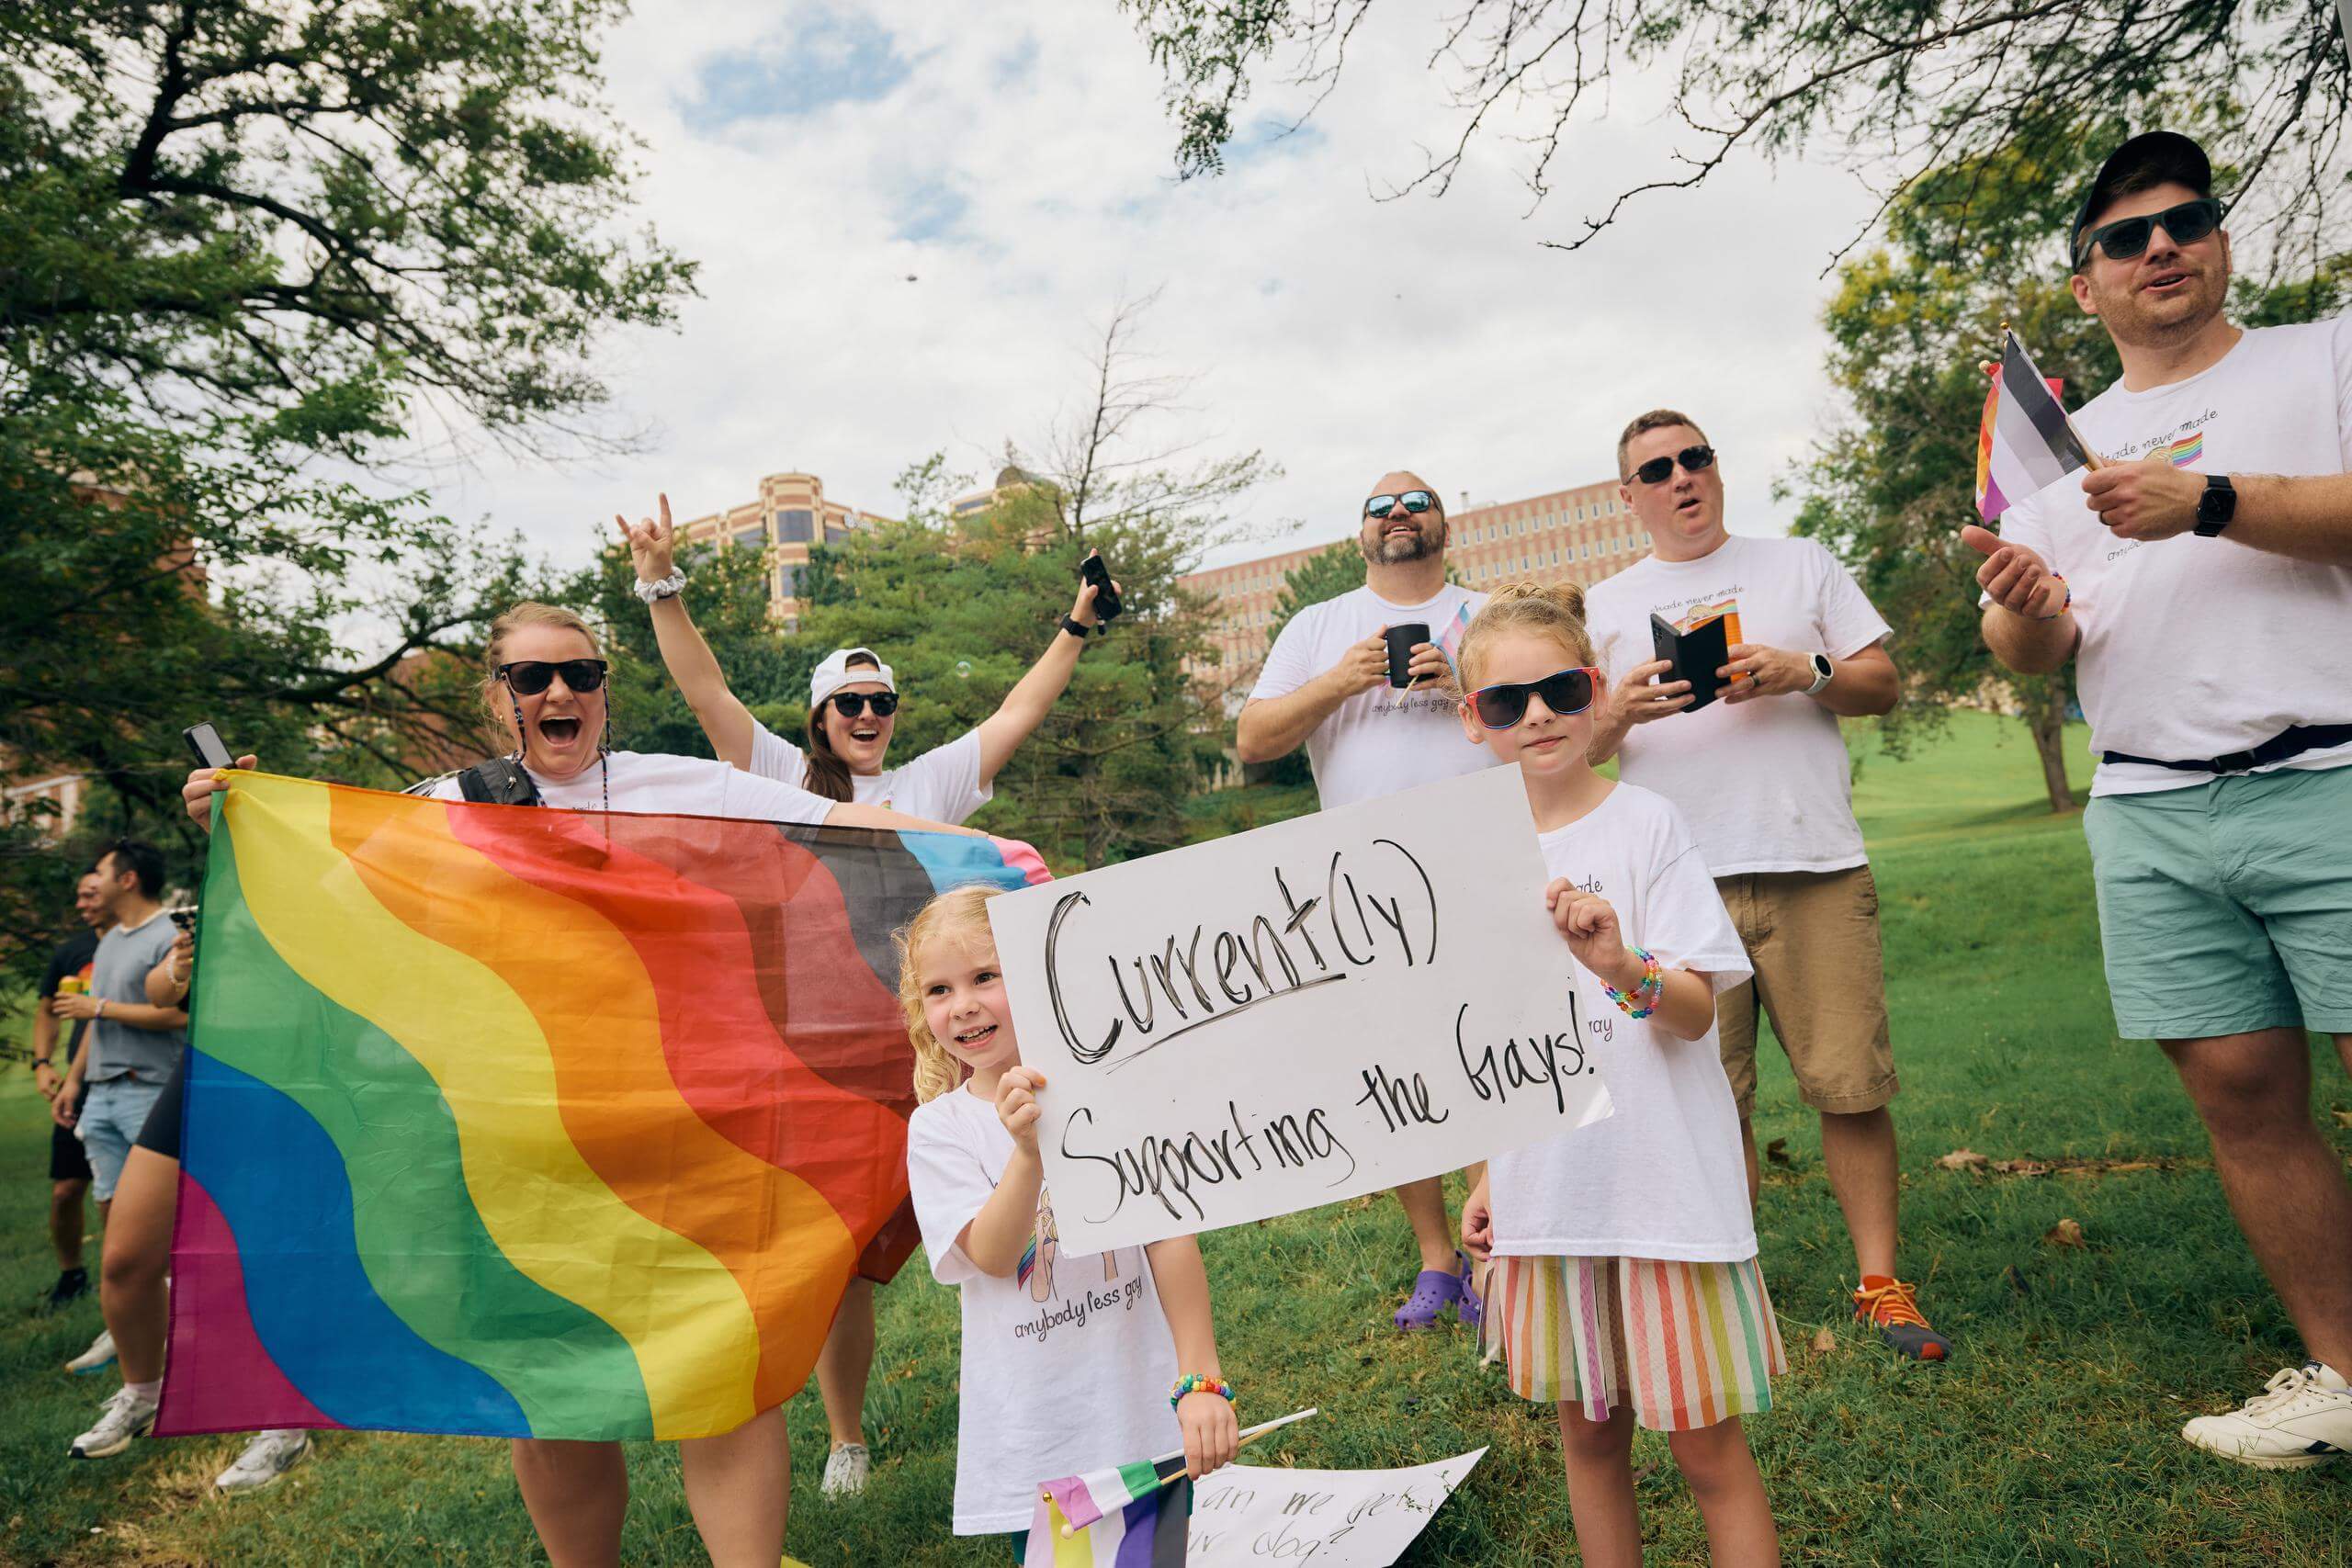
(1762, 775)
(1375, 721)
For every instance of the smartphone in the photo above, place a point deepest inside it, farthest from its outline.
(1106, 598)
(205, 741)
(1695, 655)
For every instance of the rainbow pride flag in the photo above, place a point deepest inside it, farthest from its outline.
(529, 1123)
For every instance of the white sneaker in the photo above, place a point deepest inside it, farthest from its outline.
(2302, 1418)
(126, 1417)
(98, 1355)
(270, 1455)
(845, 1471)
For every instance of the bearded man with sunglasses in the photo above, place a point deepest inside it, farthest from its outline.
(1806, 648)
(2201, 579)
(1325, 686)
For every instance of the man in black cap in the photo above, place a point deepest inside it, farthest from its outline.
(2201, 579)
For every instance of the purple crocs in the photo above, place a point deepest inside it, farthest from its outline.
(1434, 1290)
(1470, 1308)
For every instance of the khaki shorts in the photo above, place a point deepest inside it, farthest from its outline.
(1812, 937)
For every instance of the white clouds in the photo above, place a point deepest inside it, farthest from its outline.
(1020, 171)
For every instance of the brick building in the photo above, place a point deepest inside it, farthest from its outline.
(790, 513)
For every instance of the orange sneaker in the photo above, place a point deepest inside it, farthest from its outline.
(1892, 1307)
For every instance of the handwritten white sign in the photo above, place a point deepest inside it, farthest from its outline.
(1336, 1518)
(1288, 1017)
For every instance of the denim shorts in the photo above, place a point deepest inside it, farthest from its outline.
(112, 1113)
(2227, 906)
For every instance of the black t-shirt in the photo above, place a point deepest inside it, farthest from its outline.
(73, 957)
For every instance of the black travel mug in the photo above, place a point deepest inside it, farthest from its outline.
(1402, 640)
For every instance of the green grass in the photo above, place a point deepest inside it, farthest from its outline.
(2050, 1440)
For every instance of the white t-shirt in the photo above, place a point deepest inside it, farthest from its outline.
(659, 782)
(2199, 647)
(1065, 1370)
(1663, 1176)
(942, 786)
(1373, 744)
(1764, 784)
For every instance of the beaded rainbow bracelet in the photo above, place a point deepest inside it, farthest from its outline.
(1197, 1382)
(1644, 999)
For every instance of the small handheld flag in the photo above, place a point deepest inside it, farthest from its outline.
(1128, 1515)
(2025, 442)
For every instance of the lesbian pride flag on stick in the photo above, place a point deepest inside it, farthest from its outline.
(2025, 442)
(529, 1122)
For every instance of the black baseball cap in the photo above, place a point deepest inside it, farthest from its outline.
(2164, 154)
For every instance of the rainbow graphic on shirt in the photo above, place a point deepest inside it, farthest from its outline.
(528, 1122)
(2186, 450)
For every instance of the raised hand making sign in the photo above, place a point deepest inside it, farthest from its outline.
(1295, 1015)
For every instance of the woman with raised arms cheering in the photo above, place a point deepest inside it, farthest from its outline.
(852, 707)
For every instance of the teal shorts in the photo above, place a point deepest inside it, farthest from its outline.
(2226, 907)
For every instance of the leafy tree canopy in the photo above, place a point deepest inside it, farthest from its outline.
(1890, 89)
(249, 255)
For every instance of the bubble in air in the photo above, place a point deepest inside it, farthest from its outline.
(963, 669)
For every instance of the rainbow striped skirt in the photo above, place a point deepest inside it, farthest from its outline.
(1685, 1344)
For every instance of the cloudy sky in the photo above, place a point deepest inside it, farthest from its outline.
(1015, 162)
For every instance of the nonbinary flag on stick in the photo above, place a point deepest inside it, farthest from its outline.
(2024, 444)
(529, 1122)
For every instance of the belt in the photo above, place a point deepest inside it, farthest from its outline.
(2291, 742)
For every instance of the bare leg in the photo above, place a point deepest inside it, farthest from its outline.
(1858, 1148)
(1600, 1460)
(739, 1487)
(1748, 1153)
(1424, 1204)
(1723, 1481)
(845, 1363)
(577, 1494)
(2284, 1182)
(66, 1219)
(136, 1252)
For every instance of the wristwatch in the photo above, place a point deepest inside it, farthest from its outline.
(1076, 629)
(2216, 506)
(1822, 670)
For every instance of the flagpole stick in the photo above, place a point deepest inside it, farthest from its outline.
(1248, 1437)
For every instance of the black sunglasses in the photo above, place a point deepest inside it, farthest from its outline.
(1413, 501)
(1692, 459)
(849, 704)
(2128, 237)
(1564, 691)
(529, 677)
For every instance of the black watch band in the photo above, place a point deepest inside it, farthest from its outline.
(1070, 623)
(2216, 506)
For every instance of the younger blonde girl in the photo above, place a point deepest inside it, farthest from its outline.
(1070, 1363)
(1625, 1287)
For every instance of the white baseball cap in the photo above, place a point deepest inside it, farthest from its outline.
(834, 674)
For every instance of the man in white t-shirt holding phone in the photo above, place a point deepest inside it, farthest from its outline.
(2201, 579)
(1326, 686)
(1760, 774)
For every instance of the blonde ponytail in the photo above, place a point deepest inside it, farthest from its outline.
(1555, 609)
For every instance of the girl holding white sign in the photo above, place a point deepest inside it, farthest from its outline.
(1066, 1360)
(1625, 1286)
